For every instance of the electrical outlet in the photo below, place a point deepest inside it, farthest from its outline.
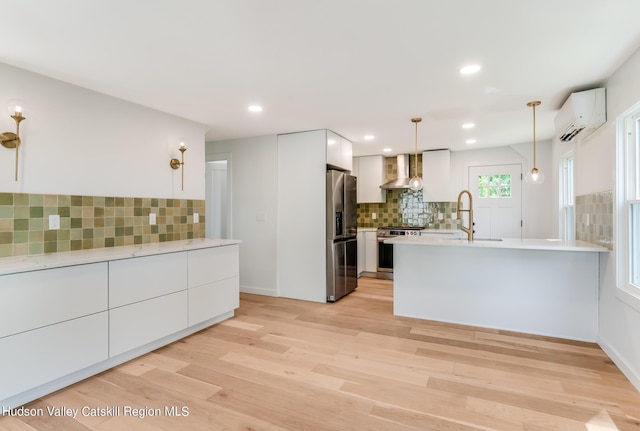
(152, 218)
(54, 222)
(196, 218)
(374, 216)
(440, 216)
(454, 216)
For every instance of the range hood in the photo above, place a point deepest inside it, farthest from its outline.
(402, 181)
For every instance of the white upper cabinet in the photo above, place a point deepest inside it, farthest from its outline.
(436, 168)
(339, 152)
(371, 175)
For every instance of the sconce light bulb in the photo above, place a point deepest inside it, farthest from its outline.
(16, 107)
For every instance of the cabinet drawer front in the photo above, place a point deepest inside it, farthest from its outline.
(214, 299)
(140, 278)
(35, 299)
(36, 357)
(209, 265)
(137, 324)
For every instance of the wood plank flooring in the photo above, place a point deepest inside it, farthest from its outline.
(283, 364)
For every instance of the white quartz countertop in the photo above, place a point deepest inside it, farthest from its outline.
(507, 243)
(16, 264)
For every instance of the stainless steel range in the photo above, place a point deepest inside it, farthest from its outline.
(385, 251)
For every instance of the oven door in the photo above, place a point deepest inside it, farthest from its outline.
(385, 255)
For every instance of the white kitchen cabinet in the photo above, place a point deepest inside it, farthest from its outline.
(213, 282)
(301, 198)
(31, 300)
(361, 251)
(339, 151)
(135, 325)
(436, 168)
(57, 325)
(209, 265)
(371, 251)
(32, 358)
(141, 278)
(213, 299)
(371, 174)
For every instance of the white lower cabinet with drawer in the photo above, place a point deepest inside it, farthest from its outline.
(141, 278)
(213, 299)
(36, 357)
(135, 325)
(31, 300)
(61, 325)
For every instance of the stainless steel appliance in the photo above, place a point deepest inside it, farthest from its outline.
(385, 251)
(342, 250)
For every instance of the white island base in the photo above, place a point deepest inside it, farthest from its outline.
(545, 291)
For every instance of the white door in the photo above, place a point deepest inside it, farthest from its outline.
(497, 200)
(218, 201)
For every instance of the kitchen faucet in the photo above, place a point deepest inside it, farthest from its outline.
(468, 230)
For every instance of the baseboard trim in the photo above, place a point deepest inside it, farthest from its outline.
(629, 372)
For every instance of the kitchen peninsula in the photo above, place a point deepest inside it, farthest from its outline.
(544, 287)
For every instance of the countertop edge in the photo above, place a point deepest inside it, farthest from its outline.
(21, 264)
(508, 243)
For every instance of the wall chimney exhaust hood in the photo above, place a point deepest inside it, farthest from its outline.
(402, 180)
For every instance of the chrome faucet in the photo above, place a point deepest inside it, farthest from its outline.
(468, 230)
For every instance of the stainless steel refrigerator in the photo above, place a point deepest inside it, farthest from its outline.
(342, 249)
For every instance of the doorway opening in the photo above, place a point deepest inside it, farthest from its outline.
(218, 198)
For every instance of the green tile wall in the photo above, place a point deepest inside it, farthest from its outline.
(599, 208)
(406, 207)
(88, 222)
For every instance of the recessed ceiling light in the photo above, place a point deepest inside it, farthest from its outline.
(387, 150)
(369, 137)
(470, 69)
(468, 126)
(255, 108)
(470, 141)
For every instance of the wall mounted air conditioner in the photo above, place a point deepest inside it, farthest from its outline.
(582, 114)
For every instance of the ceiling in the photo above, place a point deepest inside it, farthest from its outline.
(357, 67)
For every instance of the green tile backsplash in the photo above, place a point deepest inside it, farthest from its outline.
(594, 218)
(88, 222)
(405, 207)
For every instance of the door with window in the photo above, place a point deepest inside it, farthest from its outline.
(497, 200)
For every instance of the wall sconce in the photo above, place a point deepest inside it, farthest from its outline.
(175, 163)
(9, 139)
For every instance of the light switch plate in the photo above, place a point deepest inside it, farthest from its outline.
(152, 218)
(374, 216)
(196, 218)
(54, 222)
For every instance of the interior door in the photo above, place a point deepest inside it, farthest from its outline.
(497, 200)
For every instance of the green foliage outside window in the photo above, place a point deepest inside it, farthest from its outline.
(494, 186)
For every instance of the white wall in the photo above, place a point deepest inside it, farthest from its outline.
(77, 141)
(595, 171)
(536, 206)
(253, 167)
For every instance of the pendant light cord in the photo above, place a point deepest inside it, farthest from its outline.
(415, 162)
(535, 176)
(533, 105)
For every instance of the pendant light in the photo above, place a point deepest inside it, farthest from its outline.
(415, 183)
(535, 176)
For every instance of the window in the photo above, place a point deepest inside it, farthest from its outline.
(628, 205)
(566, 197)
(494, 186)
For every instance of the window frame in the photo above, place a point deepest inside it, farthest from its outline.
(627, 193)
(567, 196)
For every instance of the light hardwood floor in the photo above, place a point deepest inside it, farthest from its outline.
(283, 364)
